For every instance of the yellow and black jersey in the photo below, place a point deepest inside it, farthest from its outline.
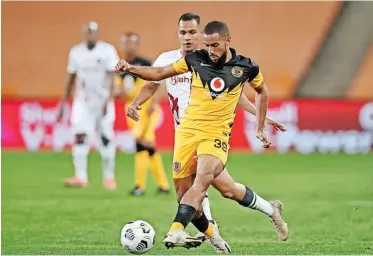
(215, 91)
(132, 83)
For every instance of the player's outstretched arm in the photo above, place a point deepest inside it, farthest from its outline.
(147, 73)
(249, 107)
(261, 100)
(145, 93)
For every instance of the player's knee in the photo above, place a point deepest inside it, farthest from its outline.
(140, 147)
(151, 151)
(105, 141)
(80, 139)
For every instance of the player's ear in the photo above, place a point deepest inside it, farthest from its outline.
(228, 40)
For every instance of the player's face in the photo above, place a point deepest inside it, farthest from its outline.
(131, 45)
(91, 36)
(216, 46)
(189, 35)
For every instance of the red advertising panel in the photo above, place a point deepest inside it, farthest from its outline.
(312, 125)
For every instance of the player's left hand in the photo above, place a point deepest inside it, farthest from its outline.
(132, 112)
(278, 126)
(122, 66)
(263, 138)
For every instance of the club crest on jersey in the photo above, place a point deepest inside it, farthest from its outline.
(237, 71)
(217, 84)
(177, 166)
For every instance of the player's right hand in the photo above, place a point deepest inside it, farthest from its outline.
(132, 112)
(122, 66)
(263, 138)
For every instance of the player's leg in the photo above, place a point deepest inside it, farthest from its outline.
(200, 220)
(141, 168)
(82, 124)
(209, 166)
(141, 155)
(182, 185)
(184, 169)
(246, 197)
(155, 158)
(207, 207)
(107, 146)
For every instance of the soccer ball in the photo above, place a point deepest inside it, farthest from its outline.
(137, 237)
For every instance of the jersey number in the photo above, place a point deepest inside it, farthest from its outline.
(219, 144)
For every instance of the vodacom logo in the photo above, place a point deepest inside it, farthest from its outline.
(217, 84)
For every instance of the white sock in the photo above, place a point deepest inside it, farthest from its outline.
(80, 159)
(108, 160)
(206, 207)
(262, 205)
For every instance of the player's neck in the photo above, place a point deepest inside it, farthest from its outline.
(183, 52)
(229, 55)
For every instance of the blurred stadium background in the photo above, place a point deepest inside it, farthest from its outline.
(317, 58)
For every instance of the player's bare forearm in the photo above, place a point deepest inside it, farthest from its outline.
(249, 107)
(69, 86)
(261, 99)
(145, 93)
(152, 73)
(246, 104)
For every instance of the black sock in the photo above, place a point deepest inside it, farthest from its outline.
(249, 199)
(185, 214)
(151, 151)
(140, 147)
(202, 223)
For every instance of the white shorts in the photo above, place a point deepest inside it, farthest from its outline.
(86, 119)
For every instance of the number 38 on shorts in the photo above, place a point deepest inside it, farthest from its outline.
(189, 146)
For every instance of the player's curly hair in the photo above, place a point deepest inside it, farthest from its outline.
(216, 27)
(189, 16)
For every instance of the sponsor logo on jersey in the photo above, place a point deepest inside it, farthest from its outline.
(217, 84)
(179, 79)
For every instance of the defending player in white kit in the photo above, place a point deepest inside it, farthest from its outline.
(91, 65)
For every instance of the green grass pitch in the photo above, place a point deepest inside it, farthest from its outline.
(328, 204)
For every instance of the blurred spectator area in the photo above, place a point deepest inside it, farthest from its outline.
(362, 86)
(283, 37)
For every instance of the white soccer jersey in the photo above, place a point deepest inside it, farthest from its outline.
(91, 68)
(178, 87)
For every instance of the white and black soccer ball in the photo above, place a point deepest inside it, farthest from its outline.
(137, 237)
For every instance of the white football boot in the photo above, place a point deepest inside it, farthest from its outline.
(280, 225)
(179, 238)
(218, 242)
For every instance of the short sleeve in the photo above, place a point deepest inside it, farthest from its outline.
(112, 59)
(72, 65)
(181, 66)
(255, 76)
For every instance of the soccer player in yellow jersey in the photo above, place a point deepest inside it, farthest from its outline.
(143, 131)
(218, 77)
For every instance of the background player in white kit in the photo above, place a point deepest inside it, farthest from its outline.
(91, 66)
(178, 90)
